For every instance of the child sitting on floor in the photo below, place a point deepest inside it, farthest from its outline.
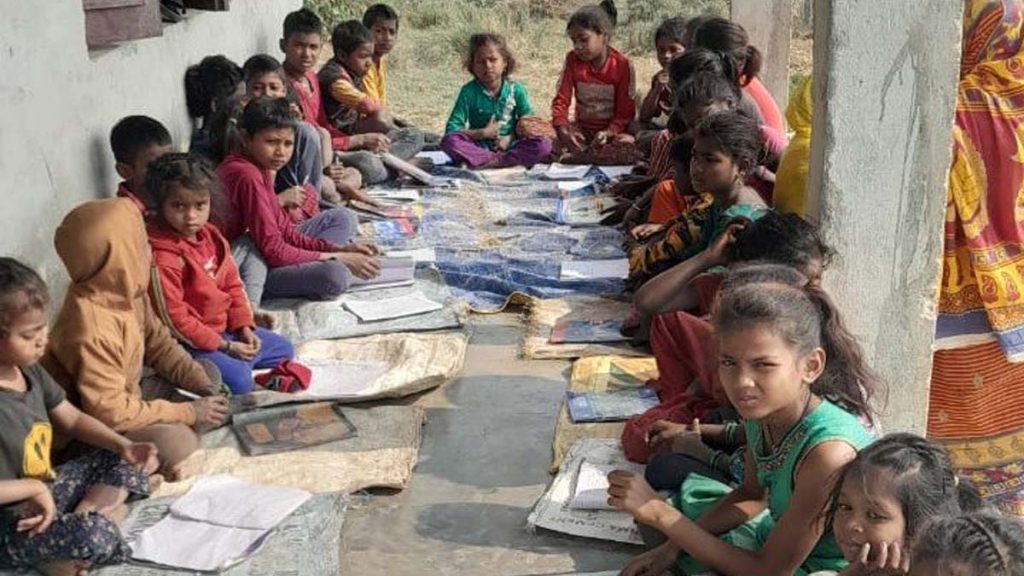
(726, 148)
(772, 367)
(348, 107)
(883, 498)
(978, 544)
(382, 22)
(481, 127)
(211, 81)
(312, 260)
(199, 295)
(136, 141)
(601, 80)
(106, 333)
(63, 520)
(301, 181)
(301, 44)
(726, 37)
(669, 43)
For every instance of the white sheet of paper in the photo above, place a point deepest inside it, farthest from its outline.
(405, 194)
(398, 307)
(333, 379)
(195, 545)
(593, 269)
(591, 491)
(438, 157)
(570, 185)
(558, 171)
(381, 286)
(227, 501)
(419, 254)
(613, 172)
(553, 512)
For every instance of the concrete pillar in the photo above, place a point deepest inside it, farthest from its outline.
(770, 26)
(885, 74)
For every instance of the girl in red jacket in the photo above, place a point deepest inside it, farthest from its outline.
(601, 79)
(197, 291)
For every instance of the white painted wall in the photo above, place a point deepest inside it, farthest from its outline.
(885, 75)
(58, 102)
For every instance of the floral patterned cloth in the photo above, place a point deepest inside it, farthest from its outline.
(90, 536)
(976, 403)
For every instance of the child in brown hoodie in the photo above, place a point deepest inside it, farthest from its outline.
(106, 331)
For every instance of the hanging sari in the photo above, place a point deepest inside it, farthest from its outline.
(976, 403)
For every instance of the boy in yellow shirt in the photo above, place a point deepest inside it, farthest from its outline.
(382, 21)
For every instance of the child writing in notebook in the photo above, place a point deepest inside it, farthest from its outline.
(601, 81)
(883, 499)
(314, 259)
(199, 295)
(481, 129)
(772, 368)
(57, 520)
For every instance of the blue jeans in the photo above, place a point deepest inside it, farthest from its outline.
(237, 373)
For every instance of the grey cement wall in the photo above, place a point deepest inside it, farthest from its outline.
(58, 102)
(885, 80)
(770, 26)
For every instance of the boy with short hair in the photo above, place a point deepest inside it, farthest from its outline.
(301, 44)
(382, 21)
(136, 141)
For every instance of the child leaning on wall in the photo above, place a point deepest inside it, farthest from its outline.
(481, 129)
(106, 332)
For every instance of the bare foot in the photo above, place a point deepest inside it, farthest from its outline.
(155, 482)
(65, 568)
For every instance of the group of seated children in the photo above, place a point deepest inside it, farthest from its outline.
(763, 404)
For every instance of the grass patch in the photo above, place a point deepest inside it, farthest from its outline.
(426, 66)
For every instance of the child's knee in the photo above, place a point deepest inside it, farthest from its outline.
(174, 443)
(336, 280)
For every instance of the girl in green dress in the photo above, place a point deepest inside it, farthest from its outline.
(772, 341)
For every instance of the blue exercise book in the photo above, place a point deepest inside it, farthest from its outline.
(610, 406)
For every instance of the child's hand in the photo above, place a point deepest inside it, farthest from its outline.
(602, 137)
(660, 80)
(41, 511)
(490, 132)
(374, 142)
(239, 350)
(662, 432)
(211, 412)
(654, 562)
(643, 231)
(629, 492)
(718, 252)
(362, 266)
(571, 140)
(890, 560)
(359, 248)
(249, 337)
(142, 454)
(294, 196)
(504, 142)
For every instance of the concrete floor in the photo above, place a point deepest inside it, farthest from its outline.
(483, 463)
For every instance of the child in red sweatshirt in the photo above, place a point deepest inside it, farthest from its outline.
(199, 294)
(314, 259)
(602, 81)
